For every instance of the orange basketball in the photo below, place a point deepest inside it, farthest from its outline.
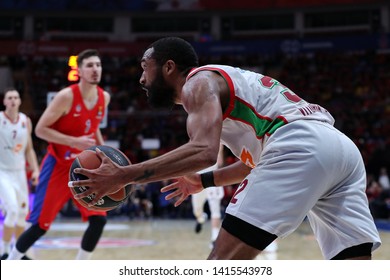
(90, 160)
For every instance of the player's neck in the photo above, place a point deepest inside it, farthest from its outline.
(87, 89)
(12, 115)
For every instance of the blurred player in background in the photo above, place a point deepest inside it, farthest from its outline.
(70, 124)
(293, 162)
(17, 149)
(214, 196)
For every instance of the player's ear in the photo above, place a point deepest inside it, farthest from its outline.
(169, 67)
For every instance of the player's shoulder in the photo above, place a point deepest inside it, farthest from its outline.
(23, 115)
(62, 99)
(65, 93)
(106, 93)
(107, 96)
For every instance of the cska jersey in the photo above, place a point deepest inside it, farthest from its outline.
(13, 142)
(78, 122)
(258, 106)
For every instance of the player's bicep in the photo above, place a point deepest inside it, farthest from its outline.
(56, 108)
(107, 98)
(204, 122)
(29, 138)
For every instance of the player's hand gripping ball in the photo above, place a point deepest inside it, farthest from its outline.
(88, 159)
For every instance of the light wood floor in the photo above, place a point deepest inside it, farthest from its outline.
(125, 239)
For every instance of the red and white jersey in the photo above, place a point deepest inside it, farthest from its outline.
(13, 142)
(78, 122)
(258, 106)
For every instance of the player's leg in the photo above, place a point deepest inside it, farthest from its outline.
(272, 202)
(23, 202)
(24, 206)
(96, 222)
(197, 201)
(49, 199)
(342, 221)
(214, 197)
(250, 242)
(8, 194)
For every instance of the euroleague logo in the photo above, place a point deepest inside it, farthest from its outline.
(90, 196)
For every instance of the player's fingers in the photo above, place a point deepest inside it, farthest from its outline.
(92, 195)
(83, 171)
(180, 200)
(172, 195)
(100, 154)
(79, 183)
(169, 187)
(95, 199)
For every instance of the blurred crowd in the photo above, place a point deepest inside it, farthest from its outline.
(352, 86)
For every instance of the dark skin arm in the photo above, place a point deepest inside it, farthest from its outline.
(200, 97)
(190, 184)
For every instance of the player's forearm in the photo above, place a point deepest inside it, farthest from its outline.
(32, 160)
(186, 159)
(54, 136)
(99, 138)
(231, 174)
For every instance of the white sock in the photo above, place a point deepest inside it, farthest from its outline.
(83, 255)
(214, 233)
(5, 247)
(15, 254)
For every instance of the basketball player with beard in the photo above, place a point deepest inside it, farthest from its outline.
(293, 162)
(69, 124)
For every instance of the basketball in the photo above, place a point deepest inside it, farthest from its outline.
(90, 160)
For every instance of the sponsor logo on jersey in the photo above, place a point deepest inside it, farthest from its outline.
(100, 112)
(17, 148)
(247, 158)
(78, 108)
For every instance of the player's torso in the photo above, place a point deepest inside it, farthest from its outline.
(13, 142)
(258, 106)
(79, 121)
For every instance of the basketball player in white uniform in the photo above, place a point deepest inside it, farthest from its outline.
(16, 147)
(214, 196)
(293, 162)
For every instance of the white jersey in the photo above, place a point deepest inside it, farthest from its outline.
(258, 106)
(13, 142)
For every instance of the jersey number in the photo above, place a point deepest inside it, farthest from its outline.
(269, 83)
(240, 188)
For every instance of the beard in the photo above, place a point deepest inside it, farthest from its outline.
(160, 94)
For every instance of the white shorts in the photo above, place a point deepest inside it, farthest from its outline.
(14, 190)
(309, 168)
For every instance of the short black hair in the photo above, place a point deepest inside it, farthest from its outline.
(86, 54)
(176, 49)
(7, 89)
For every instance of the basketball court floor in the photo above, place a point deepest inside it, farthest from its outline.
(169, 239)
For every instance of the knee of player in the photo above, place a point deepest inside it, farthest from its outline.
(11, 216)
(21, 219)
